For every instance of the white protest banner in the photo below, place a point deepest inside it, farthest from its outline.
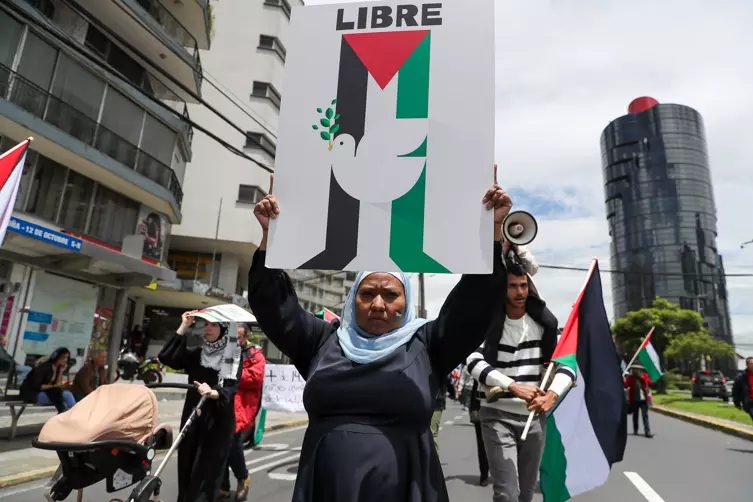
(283, 389)
(225, 313)
(386, 138)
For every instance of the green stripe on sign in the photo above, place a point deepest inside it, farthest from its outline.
(554, 465)
(407, 230)
(413, 83)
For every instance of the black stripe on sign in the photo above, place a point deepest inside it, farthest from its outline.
(341, 244)
(599, 366)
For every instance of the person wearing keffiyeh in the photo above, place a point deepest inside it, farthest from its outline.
(214, 368)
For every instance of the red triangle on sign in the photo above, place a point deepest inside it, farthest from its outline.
(383, 53)
(9, 160)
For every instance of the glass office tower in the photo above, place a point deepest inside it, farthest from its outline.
(661, 213)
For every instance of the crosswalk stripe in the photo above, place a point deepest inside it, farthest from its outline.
(267, 457)
(270, 465)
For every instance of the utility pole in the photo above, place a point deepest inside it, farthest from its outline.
(421, 297)
(214, 246)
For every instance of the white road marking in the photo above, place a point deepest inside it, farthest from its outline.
(440, 428)
(274, 464)
(282, 476)
(26, 489)
(273, 447)
(458, 417)
(449, 422)
(643, 487)
(20, 491)
(267, 457)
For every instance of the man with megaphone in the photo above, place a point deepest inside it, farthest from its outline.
(509, 366)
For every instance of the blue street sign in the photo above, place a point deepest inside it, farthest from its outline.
(44, 234)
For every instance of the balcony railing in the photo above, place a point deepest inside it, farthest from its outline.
(172, 26)
(37, 101)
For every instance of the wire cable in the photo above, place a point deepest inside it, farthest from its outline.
(627, 272)
(79, 50)
(239, 104)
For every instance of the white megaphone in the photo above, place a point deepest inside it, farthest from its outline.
(520, 228)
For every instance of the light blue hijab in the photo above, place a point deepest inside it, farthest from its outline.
(362, 348)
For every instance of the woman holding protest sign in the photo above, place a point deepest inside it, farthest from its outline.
(371, 381)
(214, 367)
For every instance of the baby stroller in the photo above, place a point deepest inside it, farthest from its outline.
(111, 434)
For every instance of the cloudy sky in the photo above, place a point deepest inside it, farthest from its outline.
(565, 69)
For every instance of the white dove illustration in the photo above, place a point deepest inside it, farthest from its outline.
(376, 174)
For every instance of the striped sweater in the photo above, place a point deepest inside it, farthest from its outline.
(519, 360)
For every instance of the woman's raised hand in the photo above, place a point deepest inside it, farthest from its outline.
(496, 198)
(268, 207)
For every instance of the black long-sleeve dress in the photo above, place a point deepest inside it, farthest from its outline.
(202, 455)
(369, 437)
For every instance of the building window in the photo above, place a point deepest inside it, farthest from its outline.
(114, 216)
(270, 43)
(257, 140)
(266, 90)
(282, 4)
(46, 189)
(76, 201)
(10, 34)
(250, 194)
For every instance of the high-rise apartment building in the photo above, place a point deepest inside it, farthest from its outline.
(661, 213)
(102, 87)
(212, 248)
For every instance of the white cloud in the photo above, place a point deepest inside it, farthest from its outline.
(566, 69)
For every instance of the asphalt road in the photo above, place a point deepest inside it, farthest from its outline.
(682, 463)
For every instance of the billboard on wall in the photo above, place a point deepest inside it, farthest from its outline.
(61, 315)
(155, 229)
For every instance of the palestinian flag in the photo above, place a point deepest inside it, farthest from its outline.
(327, 315)
(382, 77)
(587, 431)
(11, 168)
(650, 359)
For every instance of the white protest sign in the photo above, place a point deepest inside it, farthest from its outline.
(225, 313)
(283, 389)
(386, 138)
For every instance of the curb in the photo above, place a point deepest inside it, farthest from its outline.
(708, 423)
(46, 472)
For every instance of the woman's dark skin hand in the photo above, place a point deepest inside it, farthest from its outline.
(379, 299)
(267, 209)
(497, 199)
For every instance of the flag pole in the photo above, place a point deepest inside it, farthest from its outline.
(648, 337)
(544, 382)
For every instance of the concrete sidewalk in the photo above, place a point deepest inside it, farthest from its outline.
(20, 463)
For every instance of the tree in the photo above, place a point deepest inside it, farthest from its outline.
(691, 347)
(667, 319)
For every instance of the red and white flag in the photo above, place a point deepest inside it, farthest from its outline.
(11, 168)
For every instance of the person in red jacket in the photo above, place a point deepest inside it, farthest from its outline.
(247, 405)
(637, 384)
